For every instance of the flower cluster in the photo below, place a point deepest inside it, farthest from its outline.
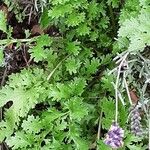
(114, 137)
(135, 119)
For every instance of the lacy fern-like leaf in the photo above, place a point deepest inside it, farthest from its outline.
(75, 19)
(60, 11)
(137, 32)
(72, 65)
(8, 125)
(73, 48)
(92, 65)
(38, 52)
(20, 140)
(77, 108)
(24, 93)
(83, 29)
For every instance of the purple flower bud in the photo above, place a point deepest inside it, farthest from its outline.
(114, 137)
(135, 121)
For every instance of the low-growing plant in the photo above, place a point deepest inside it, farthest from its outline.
(71, 96)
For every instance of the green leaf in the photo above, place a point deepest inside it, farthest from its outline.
(31, 125)
(81, 143)
(94, 35)
(75, 19)
(83, 29)
(114, 3)
(72, 65)
(131, 9)
(50, 115)
(38, 52)
(77, 86)
(60, 11)
(108, 107)
(3, 21)
(107, 83)
(78, 110)
(45, 19)
(7, 127)
(92, 65)
(23, 97)
(58, 92)
(93, 10)
(104, 22)
(73, 48)
(136, 29)
(74, 130)
(20, 140)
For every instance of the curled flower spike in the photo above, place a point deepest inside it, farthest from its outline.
(135, 118)
(114, 137)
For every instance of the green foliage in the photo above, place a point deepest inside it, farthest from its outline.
(77, 109)
(107, 106)
(3, 21)
(101, 145)
(56, 102)
(38, 52)
(136, 29)
(131, 9)
(114, 3)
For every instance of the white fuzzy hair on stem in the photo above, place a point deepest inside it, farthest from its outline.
(127, 89)
(119, 95)
(122, 60)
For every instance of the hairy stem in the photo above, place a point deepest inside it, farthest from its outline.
(99, 126)
(117, 83)
(53, 71)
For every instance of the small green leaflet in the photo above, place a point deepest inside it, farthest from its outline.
(20, 140)
(73, 48)
(93, 9)
(137, 30)
(75, 19)
(72, 65)
(60, 11)
(3, 21)
(83, 29)
(38, 52)
(77, 108)
(92, 65)
(114, 3)
(45, 19)
(108, 108)
(32, 125)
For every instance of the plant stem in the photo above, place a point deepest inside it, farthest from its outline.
(99, 126)
(117, 82)
(127, 89)
(10, 41)
(53, 71)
